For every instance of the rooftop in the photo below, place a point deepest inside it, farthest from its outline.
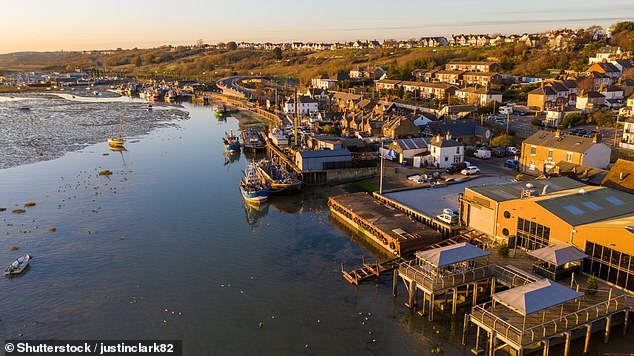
(588, 206)
(563, 142)
(511, 191)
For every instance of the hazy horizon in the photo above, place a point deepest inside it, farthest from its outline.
(75, 25)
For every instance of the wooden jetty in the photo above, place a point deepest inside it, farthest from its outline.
(445, 229)
(367, 271)
(385, 226)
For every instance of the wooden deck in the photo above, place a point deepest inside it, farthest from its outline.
(387, 227)
(367, 271)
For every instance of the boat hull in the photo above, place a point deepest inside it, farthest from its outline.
(116, 142)
(254, 196)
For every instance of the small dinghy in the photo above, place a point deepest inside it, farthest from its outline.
(18, 266)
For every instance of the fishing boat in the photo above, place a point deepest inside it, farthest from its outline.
(276, 178)
(18, 266)
(231, 141)
(252, 140)
(117, 141)
(251, 187)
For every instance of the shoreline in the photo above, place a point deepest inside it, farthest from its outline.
(44, 126)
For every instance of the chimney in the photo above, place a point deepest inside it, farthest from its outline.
(438, 138)
(558, 133)
(596, 138)
(621, 176)
(448, 135)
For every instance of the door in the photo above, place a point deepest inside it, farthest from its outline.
(482, 219)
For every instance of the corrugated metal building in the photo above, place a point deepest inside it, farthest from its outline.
(318, 160)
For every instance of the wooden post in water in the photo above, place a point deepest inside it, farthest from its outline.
(431, 306)
(394, 281)
(586, 345)
(492, 342)
(465, 328)
(477, 344)
(627, 316)
(608, 321)
(475, 293)
(546, 347)
(455, 300)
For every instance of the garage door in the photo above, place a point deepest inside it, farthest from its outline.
(481, 219)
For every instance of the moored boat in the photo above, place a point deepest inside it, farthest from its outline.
(117, 141)
(18, 266)
(231, 141)
(252, 140)
(277, 178)
(251, 187)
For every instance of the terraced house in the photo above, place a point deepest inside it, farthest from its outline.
(543, 150)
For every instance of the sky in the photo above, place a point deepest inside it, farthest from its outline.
(53, 25)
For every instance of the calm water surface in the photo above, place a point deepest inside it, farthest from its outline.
(166, 249)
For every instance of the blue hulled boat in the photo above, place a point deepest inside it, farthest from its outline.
(251, 186)
(231, 141)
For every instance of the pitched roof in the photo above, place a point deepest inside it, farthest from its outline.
(621, 176)
(580, 173)
(411, 143)
(589, 205)
(533, 297)
(441, 141)
(558, 255)
(545, 90)
(511, 191)
(563, 142)
(325, 153)
(452, 254)
(456, 127)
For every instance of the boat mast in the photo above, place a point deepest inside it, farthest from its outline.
(120, 123)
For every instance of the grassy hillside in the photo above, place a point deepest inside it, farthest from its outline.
(203, 62)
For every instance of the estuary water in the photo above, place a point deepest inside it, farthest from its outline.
(165, 248)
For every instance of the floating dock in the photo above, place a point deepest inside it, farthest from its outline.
(387, 227)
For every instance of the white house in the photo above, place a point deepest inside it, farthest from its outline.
(305, 105)
(324, 84)
(445, 151)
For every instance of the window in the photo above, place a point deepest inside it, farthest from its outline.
(568, 156)
(531, 235)
(446, 159)
(507, 214)
(610, 265)
(533, 150)
(550, 154)
(458, 149)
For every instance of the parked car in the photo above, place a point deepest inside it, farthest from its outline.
(498, 152)
(512, 151)
(482, 153)
(448, 219)
(456, 167)
(450, 211)
(470, 170)
(512, 163)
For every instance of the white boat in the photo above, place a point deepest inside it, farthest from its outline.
(18, 266)
(117, 141)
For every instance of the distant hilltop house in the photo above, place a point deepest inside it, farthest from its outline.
(553, 95)
(609, 54)
(470, 40)
(374, 73)
(323, 83)
(479, 96)
(542, 150)
(473, 66)
(483, 79)
(430, 90)
(433, 42)
(590, 101)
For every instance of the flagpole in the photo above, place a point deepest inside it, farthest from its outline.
(381, 176)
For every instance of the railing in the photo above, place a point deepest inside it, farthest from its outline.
(550, 327)
(435, 282)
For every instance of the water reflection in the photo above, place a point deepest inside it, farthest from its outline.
(255, 214)
(231, 157)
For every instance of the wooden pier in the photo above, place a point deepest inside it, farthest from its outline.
(367, 270)
(445, 229)
(387, 227)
